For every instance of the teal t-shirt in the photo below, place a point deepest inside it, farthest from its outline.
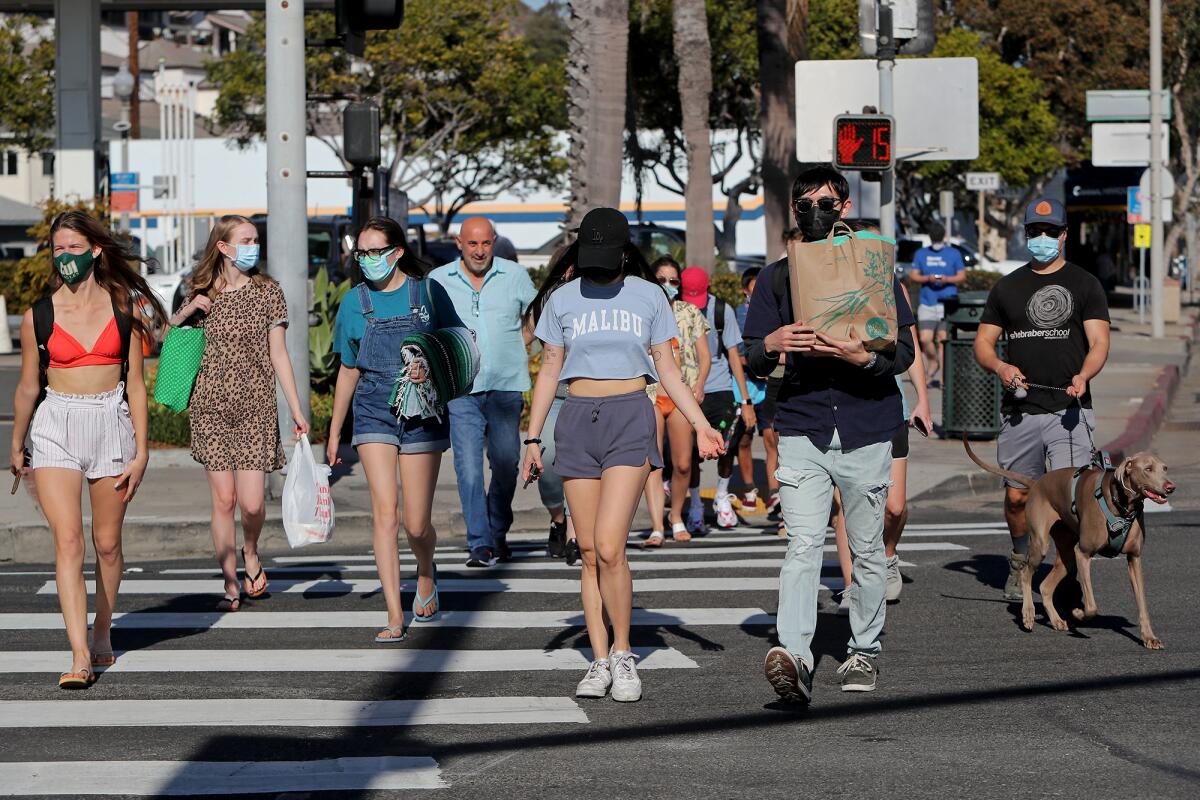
(350, 325)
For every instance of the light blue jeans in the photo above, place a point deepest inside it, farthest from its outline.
(550, 485)
(807, 476)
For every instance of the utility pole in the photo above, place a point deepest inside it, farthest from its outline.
(135, 108)
(287, 215)
(886, 60)
(1157, 257)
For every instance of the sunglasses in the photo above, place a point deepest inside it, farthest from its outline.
(1034, 231)
(805, 205)
(672, 281)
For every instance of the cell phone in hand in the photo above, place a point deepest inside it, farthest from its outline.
(919, 425)
(535, 472)
(17, 480)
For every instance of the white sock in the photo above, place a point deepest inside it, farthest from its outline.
(722, 487)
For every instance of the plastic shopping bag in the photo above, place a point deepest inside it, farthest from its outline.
(307, 503)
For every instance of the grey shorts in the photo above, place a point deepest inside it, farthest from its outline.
(595, 433)
(1033, 444)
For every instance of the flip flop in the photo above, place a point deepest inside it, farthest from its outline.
(680, 533)
(251, 582)
(229, 604)
(104, 659)
(76, 680)
(397, 633)
(655, 539)
(425, 601)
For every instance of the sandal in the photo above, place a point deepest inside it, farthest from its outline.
(655, 539)
(77, 680)
(103, 659)
(425, 601)
(252, 582)
(395, 633)
(679, 532)
(229, 604)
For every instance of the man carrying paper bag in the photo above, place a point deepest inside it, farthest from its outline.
(842, 286)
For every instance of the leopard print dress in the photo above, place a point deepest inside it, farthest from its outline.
(233, 410)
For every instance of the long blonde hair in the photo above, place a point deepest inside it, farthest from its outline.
(211, 265)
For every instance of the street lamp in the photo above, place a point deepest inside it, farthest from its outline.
(123, 87)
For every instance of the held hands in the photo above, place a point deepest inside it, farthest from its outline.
(1078, 387)
(533, 457)
(131, 478)
(710, 443)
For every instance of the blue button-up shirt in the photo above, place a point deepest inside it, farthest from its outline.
(494, 313)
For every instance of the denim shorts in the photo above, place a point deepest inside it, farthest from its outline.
(595, 433)
(374, 422)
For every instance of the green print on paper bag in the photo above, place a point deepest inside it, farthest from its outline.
(847, 305)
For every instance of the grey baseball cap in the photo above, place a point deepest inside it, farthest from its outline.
(1046, 211)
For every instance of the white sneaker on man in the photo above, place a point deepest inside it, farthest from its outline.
(895, 581)
(597, 680)
(626, 685)
(726, 516)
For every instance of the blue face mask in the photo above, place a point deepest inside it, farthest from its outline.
(376, 268)
(671, 290)
(247, 257)
(1044, 249)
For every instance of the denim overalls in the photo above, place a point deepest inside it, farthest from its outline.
(379, 361)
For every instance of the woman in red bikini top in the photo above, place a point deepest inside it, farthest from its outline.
(91, 425)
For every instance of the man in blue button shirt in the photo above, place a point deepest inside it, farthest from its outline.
(938, 269)
(490, 295)
(838, 409)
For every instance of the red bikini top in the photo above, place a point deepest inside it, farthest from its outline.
(66, 351)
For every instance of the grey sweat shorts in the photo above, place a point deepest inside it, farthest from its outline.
(1029, 441)
(595, 433)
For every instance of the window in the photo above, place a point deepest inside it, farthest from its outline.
(8, 162)
(48, 165)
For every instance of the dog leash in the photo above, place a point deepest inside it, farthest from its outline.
(1020, 393)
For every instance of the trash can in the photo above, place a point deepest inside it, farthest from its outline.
(970, 394)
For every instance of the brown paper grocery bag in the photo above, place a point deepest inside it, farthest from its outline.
(842, 286)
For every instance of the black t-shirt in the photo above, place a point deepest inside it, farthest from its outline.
(1042, 317)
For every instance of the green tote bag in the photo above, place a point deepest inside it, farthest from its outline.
(178, 365)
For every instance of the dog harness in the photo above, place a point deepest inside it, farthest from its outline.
(1118, 526)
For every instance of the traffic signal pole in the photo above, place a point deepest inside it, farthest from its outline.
(886, 60)
(287, 215)
(1157, 256)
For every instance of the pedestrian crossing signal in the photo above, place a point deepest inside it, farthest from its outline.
(863, 142)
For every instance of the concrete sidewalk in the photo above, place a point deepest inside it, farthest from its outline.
(170, 515)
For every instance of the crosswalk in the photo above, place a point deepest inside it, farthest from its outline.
(193, 683)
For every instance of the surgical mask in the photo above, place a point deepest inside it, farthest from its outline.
(246, 257)
(376, 268)
(74, 267)
(816, 224)
(671, 289)
(1044, 249)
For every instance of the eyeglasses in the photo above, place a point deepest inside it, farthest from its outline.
(804, 205)
(1034, 231)
(374, 252)
(672, 281)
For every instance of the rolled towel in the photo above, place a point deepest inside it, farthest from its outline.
(450, 360)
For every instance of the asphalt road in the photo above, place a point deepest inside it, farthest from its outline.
(967, 703)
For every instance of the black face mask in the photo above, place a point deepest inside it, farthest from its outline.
(816, 224)
(598, 274)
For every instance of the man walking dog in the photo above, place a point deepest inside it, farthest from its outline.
(1054, 316)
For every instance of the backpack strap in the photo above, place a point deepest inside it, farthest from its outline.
(43, 328)
(124, 318)
(719, 309)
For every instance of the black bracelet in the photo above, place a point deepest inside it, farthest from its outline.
(533, 441)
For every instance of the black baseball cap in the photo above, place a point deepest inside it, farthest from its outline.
(1046, 211)
(603, 235)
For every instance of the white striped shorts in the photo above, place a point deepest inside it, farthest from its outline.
(91, 433)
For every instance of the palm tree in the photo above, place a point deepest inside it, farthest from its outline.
(596, 74)
(782, 40)
(694, 55)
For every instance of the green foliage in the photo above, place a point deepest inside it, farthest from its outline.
(27, 84)
(469, 107)
(979, 280)
(23, 282)
(323, 360)
(727, 285)
(833, 29)
(1017, 129)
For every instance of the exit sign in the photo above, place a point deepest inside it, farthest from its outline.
(863, 142)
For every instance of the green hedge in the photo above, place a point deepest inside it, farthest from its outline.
(168, 429)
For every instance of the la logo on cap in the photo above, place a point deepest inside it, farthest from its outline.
(1043, 208)
(597, 237)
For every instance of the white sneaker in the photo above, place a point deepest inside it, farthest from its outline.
(626, 685)
(895, 583)
(695, 520)
(597, 680)
(726, 516)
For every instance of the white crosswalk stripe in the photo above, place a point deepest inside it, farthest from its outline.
(519, 619)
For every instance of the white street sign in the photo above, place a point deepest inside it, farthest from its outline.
(983, 181)
(1168, 193)
(1123, 144)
